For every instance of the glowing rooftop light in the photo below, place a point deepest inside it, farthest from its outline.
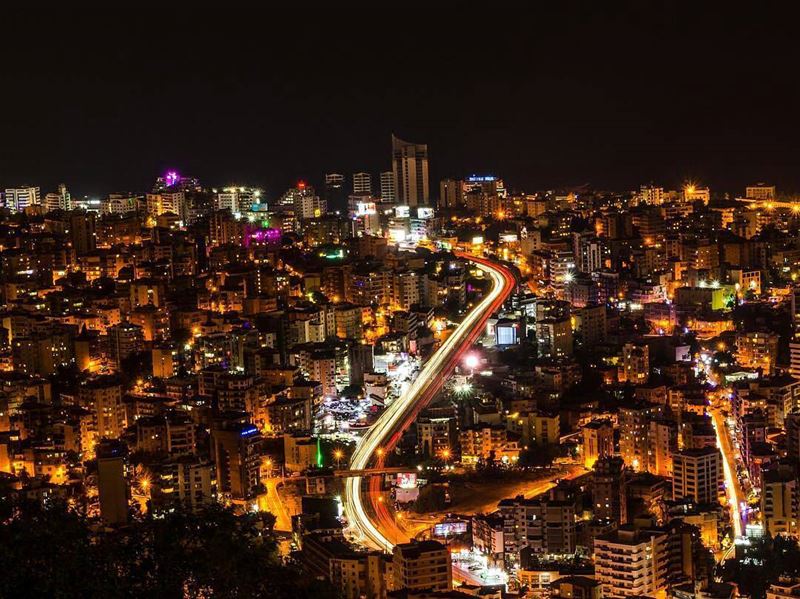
(171, 178)
(471, 361)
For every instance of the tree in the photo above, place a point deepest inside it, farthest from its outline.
(53, 552)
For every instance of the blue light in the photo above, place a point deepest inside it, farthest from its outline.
(249, 431)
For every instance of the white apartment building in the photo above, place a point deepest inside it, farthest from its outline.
(19, 198)
(362, 183)
(630, 562)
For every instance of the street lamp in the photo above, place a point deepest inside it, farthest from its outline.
(471, 362)
(338, 454)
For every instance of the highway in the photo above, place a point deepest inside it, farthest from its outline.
(389, 427)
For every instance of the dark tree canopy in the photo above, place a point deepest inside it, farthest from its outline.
(53, 552)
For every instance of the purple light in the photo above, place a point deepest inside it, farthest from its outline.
(171, 178)
(262, 236)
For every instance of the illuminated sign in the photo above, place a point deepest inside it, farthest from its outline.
(424, 212)
(248, 431)
(448, 529)
(407, 480)
(477, 240)
(481, 179)
(402, 211)
(364, 208)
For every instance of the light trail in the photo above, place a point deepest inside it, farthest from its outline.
(399, 415)
(732, 487)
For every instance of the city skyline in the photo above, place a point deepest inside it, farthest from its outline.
(436, 304)
(634, 95)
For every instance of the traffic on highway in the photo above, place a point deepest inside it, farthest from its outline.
(401, 413)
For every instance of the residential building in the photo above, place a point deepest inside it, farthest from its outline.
(609, 490)
(362, 184)
(410, 172)
(598, 441)
(19, 198)
(697, 475)
(629, 562)
(423, 565)
(237, 449)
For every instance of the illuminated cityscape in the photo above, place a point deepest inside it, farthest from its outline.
(299, 314)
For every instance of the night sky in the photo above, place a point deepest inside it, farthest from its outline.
(613, 97)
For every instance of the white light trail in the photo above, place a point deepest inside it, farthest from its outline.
(377, 436)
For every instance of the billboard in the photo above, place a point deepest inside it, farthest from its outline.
(406, 480)
(448, 529)
(364, 208)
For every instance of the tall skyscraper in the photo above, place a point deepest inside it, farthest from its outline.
(410, 169)
(387, 186)
(362, 183)
(451, 193)
(335, 195)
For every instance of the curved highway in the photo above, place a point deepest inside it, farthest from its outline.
(389, 427)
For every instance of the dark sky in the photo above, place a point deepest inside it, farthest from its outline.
(608, 94)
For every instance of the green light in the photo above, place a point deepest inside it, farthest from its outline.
(319, 454)
(335, 255)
